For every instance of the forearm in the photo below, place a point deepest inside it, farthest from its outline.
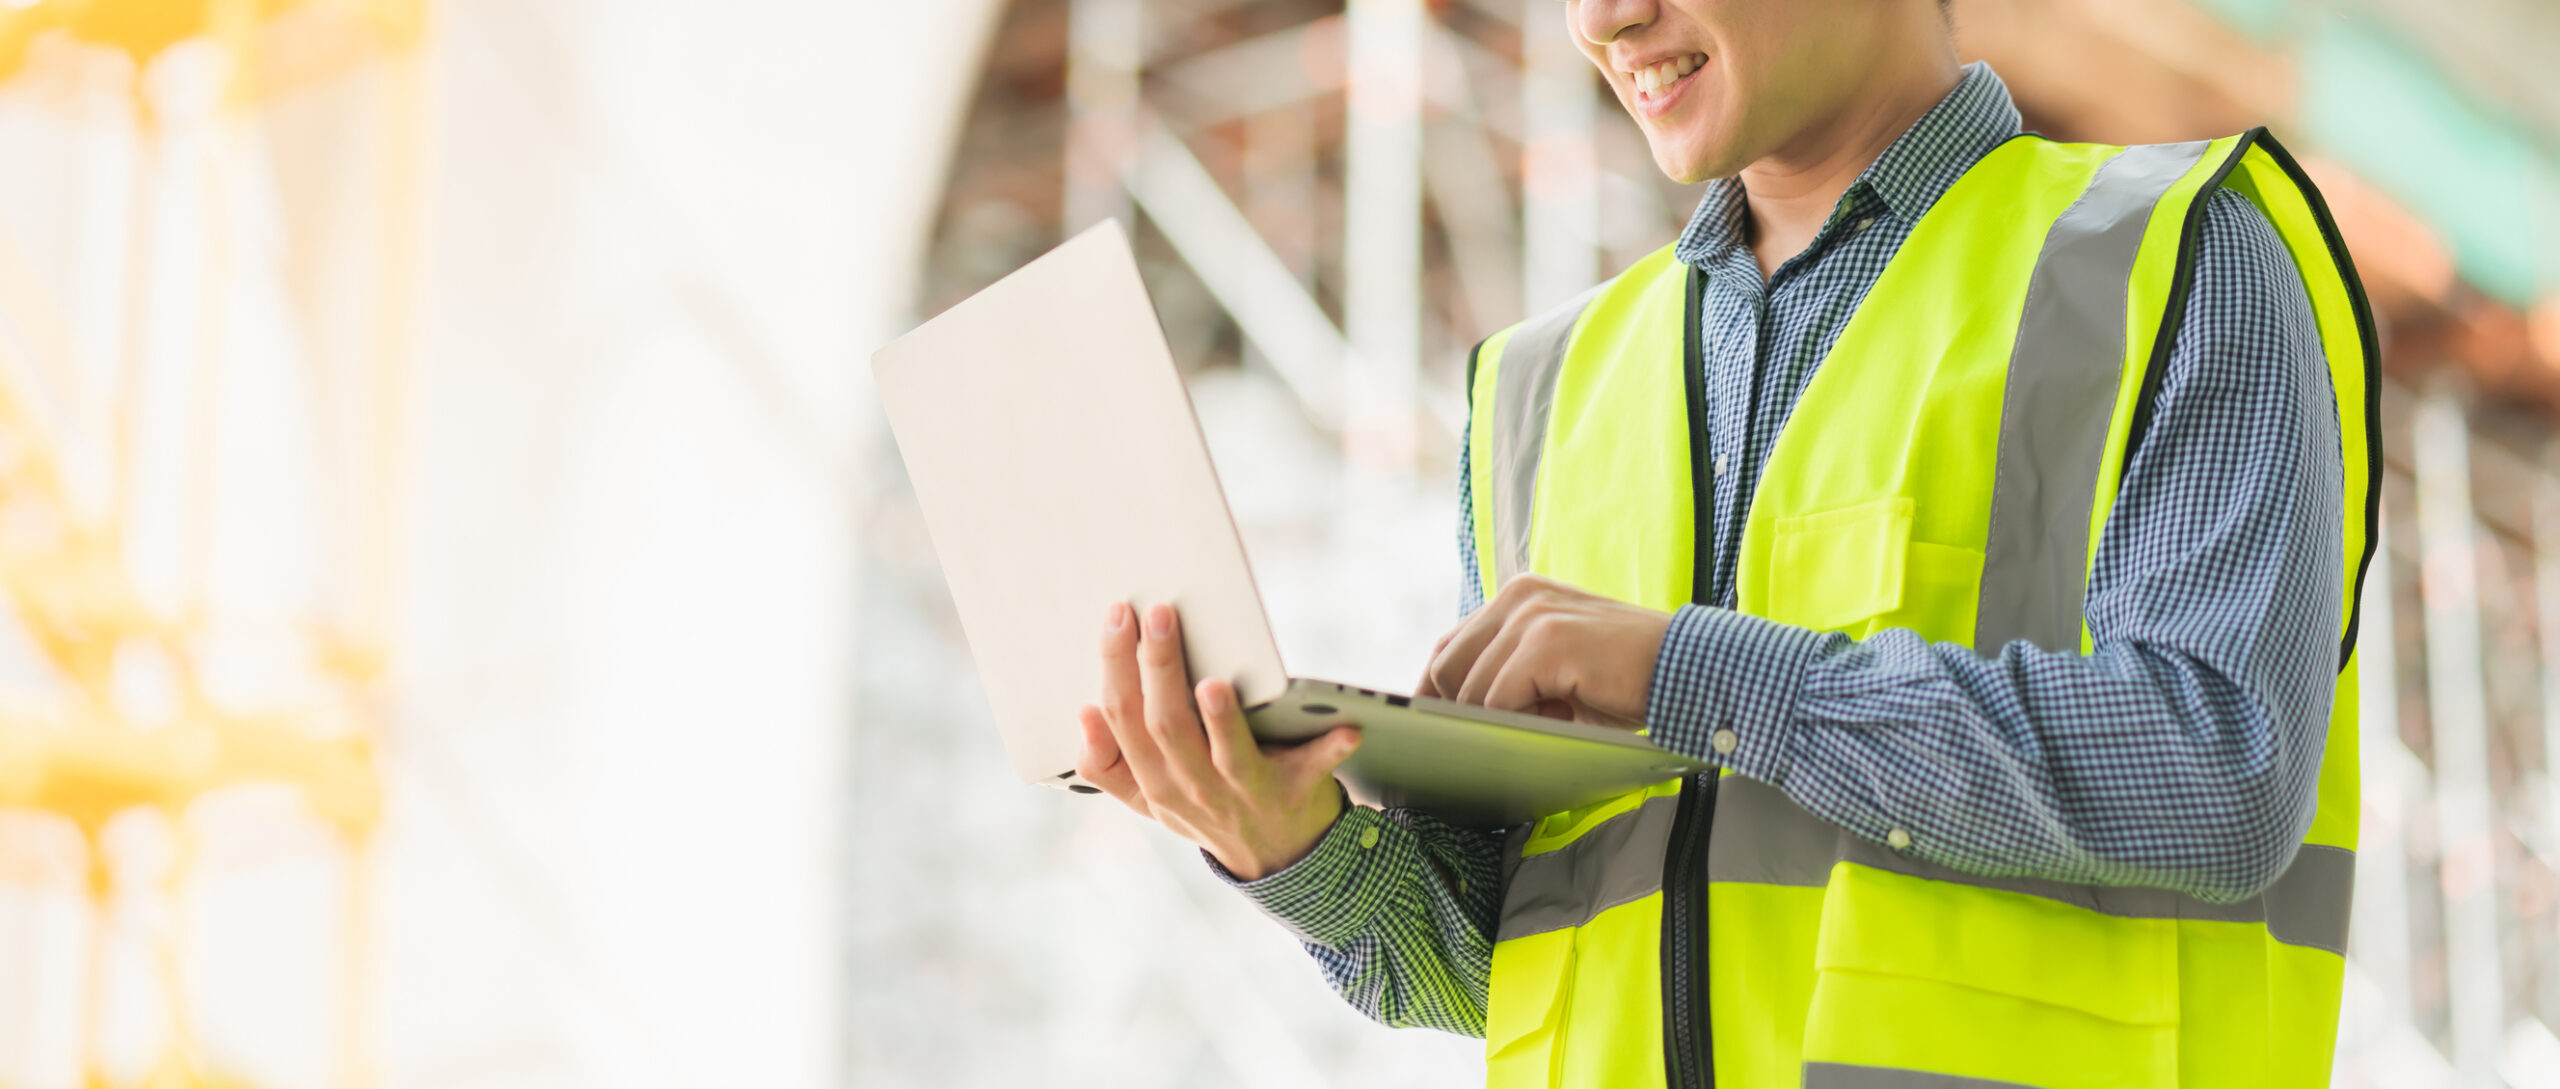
(1398, 910)
(2183, 752)
(2136, 765)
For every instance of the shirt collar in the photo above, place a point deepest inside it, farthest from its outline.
(1914, 171)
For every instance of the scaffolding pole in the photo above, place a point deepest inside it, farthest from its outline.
(2381, 916)
(1463, 175)
(2448, 541)
(2546, 587)
(1104, 42)
(1255, 285)
(1382, 232)
(1559, 169)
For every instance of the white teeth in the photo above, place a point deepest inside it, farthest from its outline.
(1653, 78)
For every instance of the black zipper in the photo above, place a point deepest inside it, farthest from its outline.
(1688, 1042)
(1687, 1045)
(1702, 458)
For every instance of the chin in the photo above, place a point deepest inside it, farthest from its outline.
(1689, 165)
(1697, 147)
(1683, 170)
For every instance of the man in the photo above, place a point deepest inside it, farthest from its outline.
(1987, 510)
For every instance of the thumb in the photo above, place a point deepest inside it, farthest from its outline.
(1316, 759)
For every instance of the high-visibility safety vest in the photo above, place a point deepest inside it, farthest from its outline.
(1947, 470)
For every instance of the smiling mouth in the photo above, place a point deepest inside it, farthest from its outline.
(1652, 81)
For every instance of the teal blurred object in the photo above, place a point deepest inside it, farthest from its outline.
(2475, 175)
(2486, 181)
(2260, 19)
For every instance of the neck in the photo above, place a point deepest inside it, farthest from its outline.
(1791, 191)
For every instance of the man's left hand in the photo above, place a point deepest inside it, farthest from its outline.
(1547, 648)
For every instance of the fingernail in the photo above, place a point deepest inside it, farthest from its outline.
(1113, 616)
(1213, 698)
(1160, 621)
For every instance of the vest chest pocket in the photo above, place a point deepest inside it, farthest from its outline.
(1839, 567)
(1858, 570)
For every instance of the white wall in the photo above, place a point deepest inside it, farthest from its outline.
(664, 238)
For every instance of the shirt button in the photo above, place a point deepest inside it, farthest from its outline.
(1869, 221)
(1725, 742)
(1369, 838)
(1719, 465)
(1898, 838)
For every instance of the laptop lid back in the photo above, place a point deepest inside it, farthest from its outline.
(1059, 468)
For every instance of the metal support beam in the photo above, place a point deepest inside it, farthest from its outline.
(2447, 541)
(2546, 587)
(1560, 169)
(1294, 65)
(1382, 231)
(1104, 43)
(1256, 287)
(1273, 71)
(1283, 189)
(1464, 177)
(2381, 918)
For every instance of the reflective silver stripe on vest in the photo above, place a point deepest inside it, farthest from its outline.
(1845, 1076)
(1524, 386)
(2064, 370)
(1761, 837)
(1618, 861)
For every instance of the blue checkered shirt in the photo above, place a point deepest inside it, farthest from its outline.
(2181, 754)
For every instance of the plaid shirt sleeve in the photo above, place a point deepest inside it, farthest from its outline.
(1395, 906)
(2184, 752)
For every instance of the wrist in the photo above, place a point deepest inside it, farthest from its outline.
(1724, 688)
(1248, 863)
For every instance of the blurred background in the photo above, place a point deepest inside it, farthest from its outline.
(463, 624)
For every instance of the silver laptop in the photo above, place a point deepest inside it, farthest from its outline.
(1059, 467)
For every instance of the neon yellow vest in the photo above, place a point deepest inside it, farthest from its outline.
(1947, 470)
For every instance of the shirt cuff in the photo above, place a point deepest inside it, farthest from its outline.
(1725, 686)
(1328, 897)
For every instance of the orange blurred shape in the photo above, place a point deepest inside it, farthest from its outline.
(286, 43)
(91, 774)
(2544, 323)
(2388, 242)
(76, 604)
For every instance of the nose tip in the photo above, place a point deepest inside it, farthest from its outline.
(1602, 22)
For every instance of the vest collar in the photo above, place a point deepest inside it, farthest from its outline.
(1914, 171)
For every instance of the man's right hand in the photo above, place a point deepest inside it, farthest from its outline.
(1185, 759)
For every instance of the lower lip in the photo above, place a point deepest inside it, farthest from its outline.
(1662, 100)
